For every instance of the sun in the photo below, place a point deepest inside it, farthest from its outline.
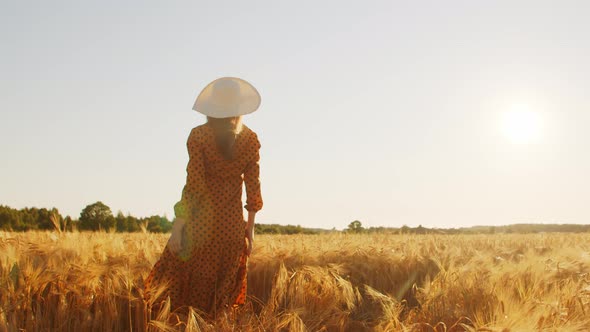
(521, 125)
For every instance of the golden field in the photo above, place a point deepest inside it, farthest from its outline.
(332, 282)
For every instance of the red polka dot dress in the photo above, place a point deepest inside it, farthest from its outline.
(209, 272)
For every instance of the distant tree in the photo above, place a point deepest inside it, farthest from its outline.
(9, 218)
(355, 227)
(157, 224)
(405, 229)
(121, 221)
(43, 218)
(132, 224)
(290, 229)
(420, 230)
(282, 229)
(266, 229)
(97, 216)
(382, 230)
(57, 221)
(27, 219)
(68, 224)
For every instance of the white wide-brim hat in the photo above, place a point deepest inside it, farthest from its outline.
(227, 97)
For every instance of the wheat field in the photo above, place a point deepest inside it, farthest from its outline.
(331, 282)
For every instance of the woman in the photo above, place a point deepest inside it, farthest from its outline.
(204, 262)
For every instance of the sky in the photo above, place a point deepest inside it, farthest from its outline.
(433, 113)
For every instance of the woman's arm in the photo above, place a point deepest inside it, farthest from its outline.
(253, 195)
(252, 180)
(195, 189)
(175, 241)
(250, 231)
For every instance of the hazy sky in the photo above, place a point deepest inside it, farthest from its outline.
(388, 112)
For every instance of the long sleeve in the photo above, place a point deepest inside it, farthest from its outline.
(252, 180)
(195, 190)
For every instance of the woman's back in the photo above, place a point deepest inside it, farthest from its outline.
(224, 177)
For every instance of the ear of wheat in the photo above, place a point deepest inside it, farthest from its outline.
(354, 282)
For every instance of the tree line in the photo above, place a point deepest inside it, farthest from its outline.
(94, 217)
(357, 227)
(98, 216)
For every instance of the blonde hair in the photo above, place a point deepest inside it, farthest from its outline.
(226, 132)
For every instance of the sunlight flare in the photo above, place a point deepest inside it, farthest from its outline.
(521, 125)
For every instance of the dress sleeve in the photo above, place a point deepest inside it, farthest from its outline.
(195, 189)
(252, 179)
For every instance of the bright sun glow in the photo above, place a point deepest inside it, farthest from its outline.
(521, 125)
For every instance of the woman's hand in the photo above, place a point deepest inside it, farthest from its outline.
(175, 241)
(250, 232)
(250, 237)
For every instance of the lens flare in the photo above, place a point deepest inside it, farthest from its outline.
(521, 125)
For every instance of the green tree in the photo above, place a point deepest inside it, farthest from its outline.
(9, 218)
(68, 224)
(97, 216)
(43, 218)
(132, 224)
(355, 227)
(157, 224)
(122, 222)
(420, 230)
